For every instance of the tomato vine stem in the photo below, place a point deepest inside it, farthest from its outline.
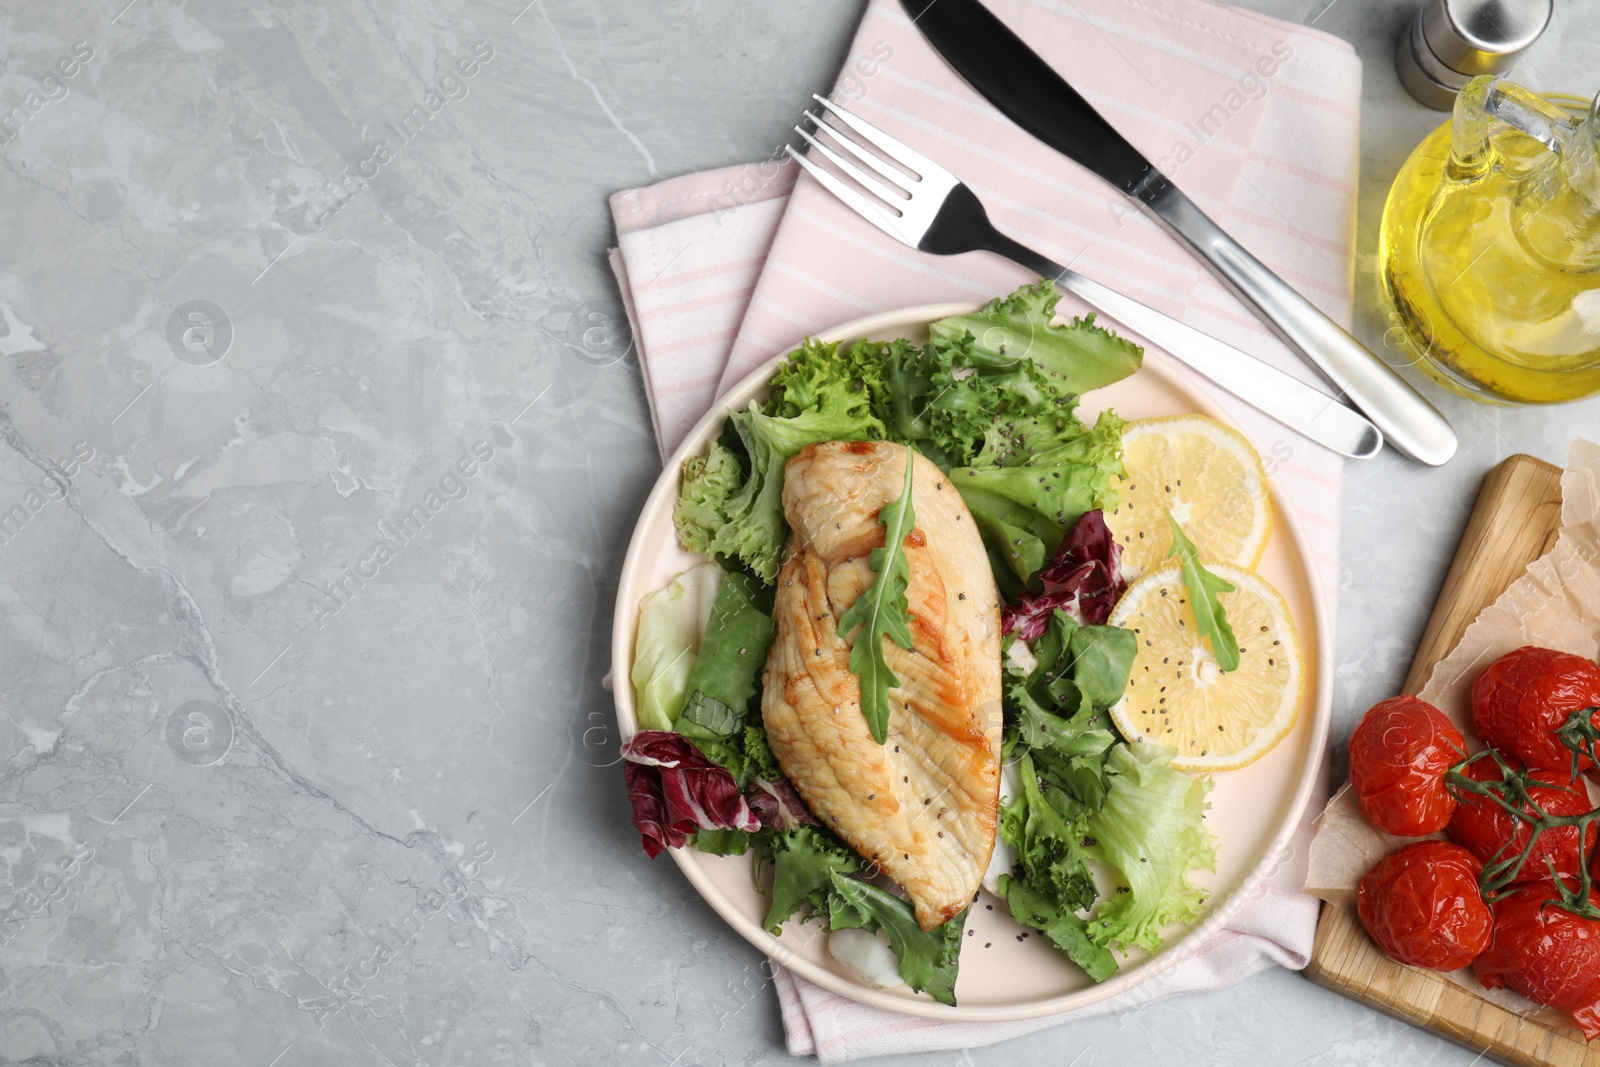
(1579, 735)
(1511, 792)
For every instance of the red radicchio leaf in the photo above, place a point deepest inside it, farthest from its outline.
(1083, 580)
(675, 791)
(777, 805)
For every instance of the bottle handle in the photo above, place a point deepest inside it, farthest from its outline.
(1486, 97)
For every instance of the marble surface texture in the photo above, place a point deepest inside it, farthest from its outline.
(316, 470)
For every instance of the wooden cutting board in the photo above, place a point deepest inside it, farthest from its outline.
(1513, 524)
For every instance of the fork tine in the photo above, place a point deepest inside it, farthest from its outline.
(865, 180)
(895, 177)
(868, 210)
(890, 147)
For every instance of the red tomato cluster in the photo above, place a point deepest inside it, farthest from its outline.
(1425, 905)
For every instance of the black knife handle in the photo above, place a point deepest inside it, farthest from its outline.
(1035, 97)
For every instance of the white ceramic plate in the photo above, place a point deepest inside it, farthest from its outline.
(1253, 810)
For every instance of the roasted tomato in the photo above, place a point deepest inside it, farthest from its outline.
(1491, 833)
(1398, 756)
(1547, 954)
(1421, 905)
(1524, 697)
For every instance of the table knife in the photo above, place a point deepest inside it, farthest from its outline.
(1017, 81)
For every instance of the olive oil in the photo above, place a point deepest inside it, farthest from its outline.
(1491, 271)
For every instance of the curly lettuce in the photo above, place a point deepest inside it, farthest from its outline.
(1150, 829)
(1079, 355)
(991, 399)
(732, 510)
(1036, 477)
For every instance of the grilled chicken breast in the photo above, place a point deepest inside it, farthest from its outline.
(923, 805)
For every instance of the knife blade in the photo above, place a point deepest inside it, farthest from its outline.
(1028, 91)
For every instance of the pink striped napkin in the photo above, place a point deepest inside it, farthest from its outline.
(1255, 119)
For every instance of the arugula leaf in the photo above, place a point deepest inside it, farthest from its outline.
(881, 611)
(927, 957)
(1069, 933)
(1204, 586)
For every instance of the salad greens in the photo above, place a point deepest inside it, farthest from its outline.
(810, 864)
(731, 505)
(672, 622)
(1060, 924)
(1150, 829)
(991, 399)
(997, 412)
(726, 678)
(1203, 587)
(1008, 330)
(1086, 796)
(1084, 580)
(881, 611)
(803, 865)
(812, 867)
(927, 959)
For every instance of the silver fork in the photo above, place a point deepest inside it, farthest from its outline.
(931, 210)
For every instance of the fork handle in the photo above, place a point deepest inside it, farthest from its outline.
(1293, 403)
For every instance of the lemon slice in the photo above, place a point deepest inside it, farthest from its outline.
(1179, 697)
(1211, 479)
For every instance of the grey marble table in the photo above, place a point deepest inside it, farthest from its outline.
(311, 508)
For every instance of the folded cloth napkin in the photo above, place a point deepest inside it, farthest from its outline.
(1254, 118)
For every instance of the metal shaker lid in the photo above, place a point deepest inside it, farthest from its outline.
(1452, 41)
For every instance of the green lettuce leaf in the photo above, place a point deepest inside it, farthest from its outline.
(813, 376)
(931, 399)
(1151, 830)
(812, 867)
(804, 862)
(1102, 660)
(1079, 355)
(927, 957)
(1058, 479)
(672, 624)
(1017, 534)
(727, 677)
(1057, 712)
(730, 511)
(722, 842)
(993, 393)
(1047, 831)
(1065, 929)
